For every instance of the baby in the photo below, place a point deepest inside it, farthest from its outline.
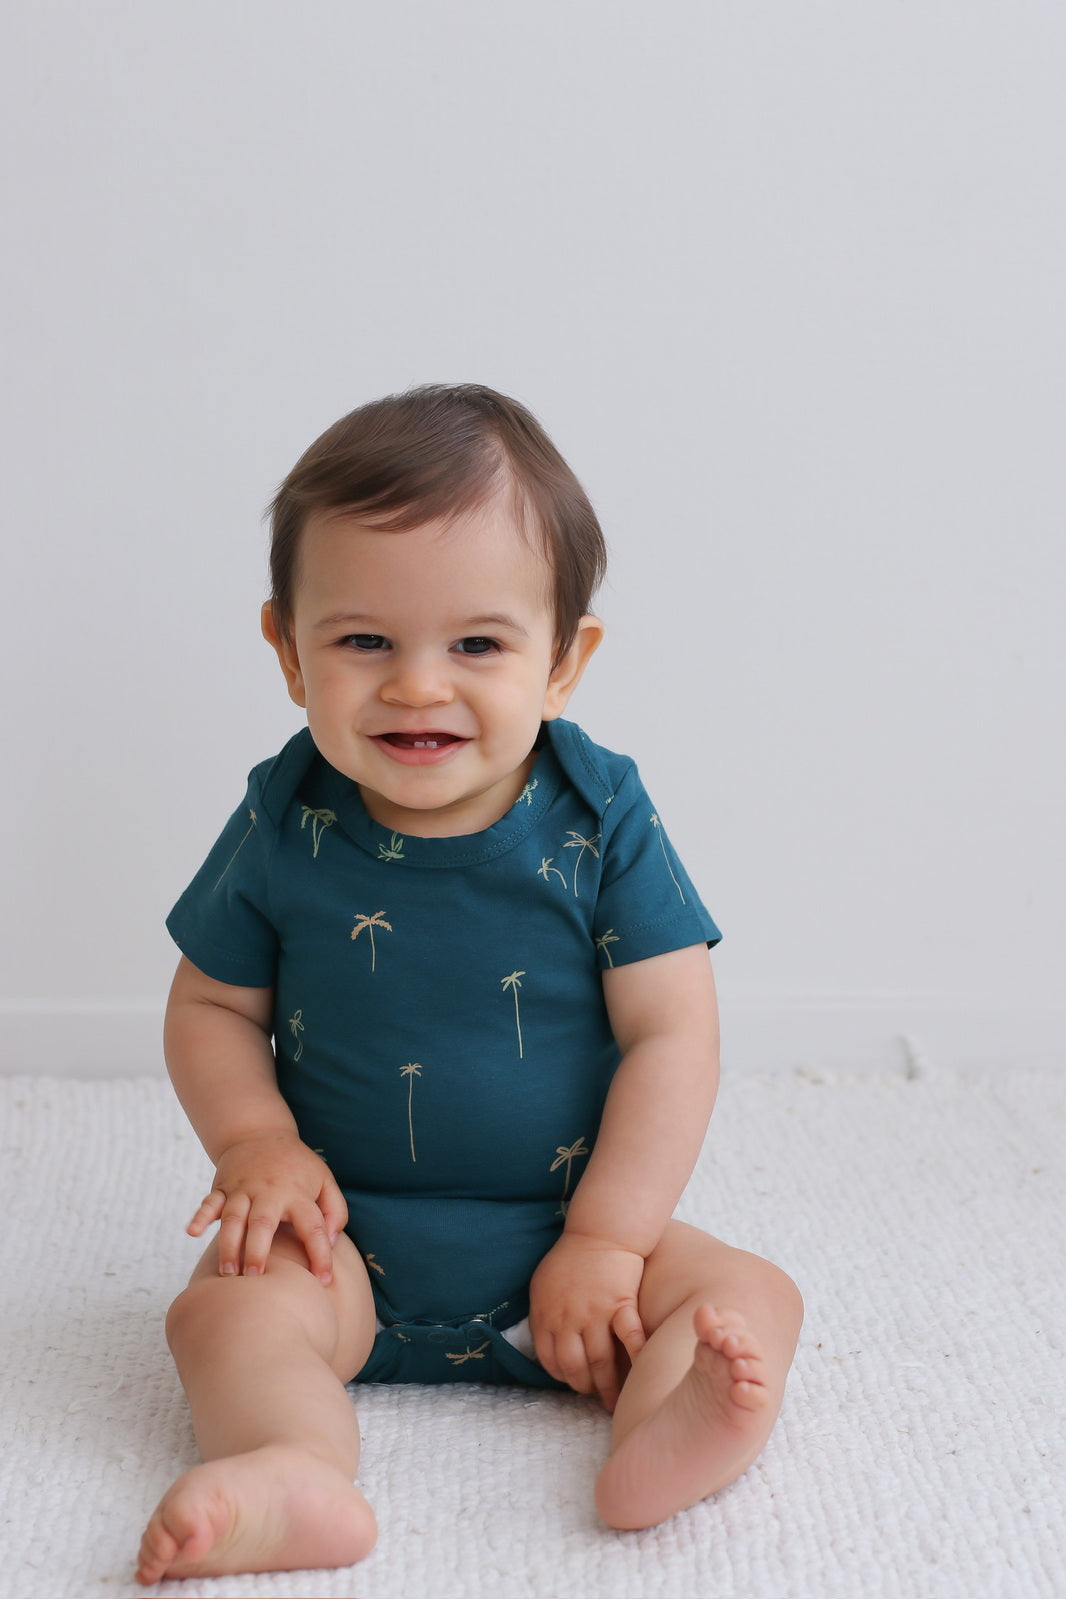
(445, 1021)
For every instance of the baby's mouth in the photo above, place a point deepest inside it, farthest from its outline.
(419, 741)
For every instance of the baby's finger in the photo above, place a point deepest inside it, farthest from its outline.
(210, 1209)
(263, 1223)
(629, 1330)
(333, 1206)
(231, 1234)
(603, 1366)
(544, 1349)
(573, 1363)
(310, 1228)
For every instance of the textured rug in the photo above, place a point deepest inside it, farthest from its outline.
(919, 1454)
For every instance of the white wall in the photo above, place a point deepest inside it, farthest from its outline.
(785, 283)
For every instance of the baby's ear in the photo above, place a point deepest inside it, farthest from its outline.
(567, 675)
(286, 653)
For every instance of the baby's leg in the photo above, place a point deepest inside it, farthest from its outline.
(264, 1361)
(704, 1392)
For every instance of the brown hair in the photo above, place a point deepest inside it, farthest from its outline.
(437, 452)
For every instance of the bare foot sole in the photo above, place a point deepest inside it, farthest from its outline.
(275, 1509)
(702, 1437)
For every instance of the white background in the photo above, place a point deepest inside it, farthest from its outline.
(784, 282)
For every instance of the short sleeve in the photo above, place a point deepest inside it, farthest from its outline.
(647, 903)
(221, 922)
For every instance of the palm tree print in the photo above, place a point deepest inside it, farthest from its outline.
(470, 1354)
(393, 851)
(240, 846)
(296, 1027)
(319, 820)
(370, 922)
(514, 985)
(567, 1157)
(575, 841)
(609, 937)
(546, 866)
(411, 1071)
(372, 1263)
(527, 792)
(658, 826)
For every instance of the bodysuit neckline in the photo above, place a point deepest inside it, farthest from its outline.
(465, 849)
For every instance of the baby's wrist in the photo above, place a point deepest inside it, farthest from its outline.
(603, 1238)
(263, 1134)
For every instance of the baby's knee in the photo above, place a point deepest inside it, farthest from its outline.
(210, 1303)
(762, 1282)
(192, 1310)
(784, 1291)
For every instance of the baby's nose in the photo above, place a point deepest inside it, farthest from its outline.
(417, 680)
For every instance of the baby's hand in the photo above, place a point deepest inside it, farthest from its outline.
(584, 1296)
(260, 1183)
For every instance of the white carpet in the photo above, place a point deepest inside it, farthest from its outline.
(919, 1454)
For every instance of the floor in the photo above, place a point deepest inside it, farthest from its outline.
(919, 1455)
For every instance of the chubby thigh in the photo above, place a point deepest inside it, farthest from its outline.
(338, 1320)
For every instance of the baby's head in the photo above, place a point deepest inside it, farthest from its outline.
(436, 453)
(433, 565)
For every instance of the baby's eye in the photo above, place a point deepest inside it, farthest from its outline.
(476, 646)
(366, 641)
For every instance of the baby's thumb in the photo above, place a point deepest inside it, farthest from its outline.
(334, 1208)
(629, 1330)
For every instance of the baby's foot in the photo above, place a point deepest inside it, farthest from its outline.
(703, 1435)
(275, 1509)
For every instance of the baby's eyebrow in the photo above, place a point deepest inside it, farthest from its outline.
(340, 619)
(497, 619)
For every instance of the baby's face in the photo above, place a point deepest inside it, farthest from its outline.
(424, 662)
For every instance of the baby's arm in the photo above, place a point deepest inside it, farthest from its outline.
(664, 1017)
(220, 1059)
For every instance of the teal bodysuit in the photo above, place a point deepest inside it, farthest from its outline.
(439, 1023)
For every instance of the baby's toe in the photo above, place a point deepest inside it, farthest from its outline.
(746, 1368)
(737, 1343)
(749, 1395)
(156, 1553)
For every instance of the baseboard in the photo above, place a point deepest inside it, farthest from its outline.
(761, 1031)
(870, 1031)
